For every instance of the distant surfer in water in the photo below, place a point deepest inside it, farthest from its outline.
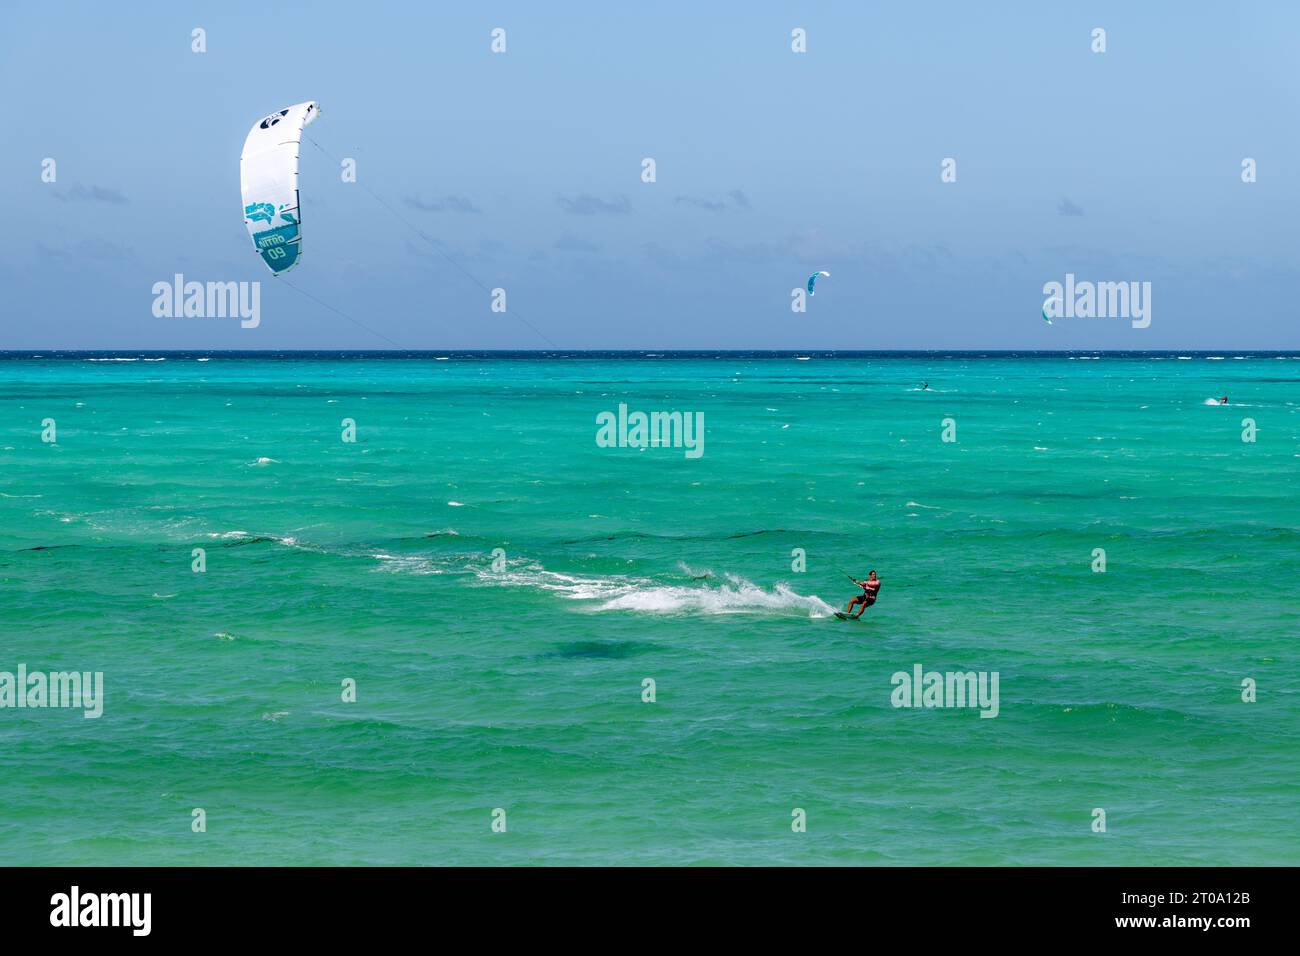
(1224, 400)
(870, 588)
(925, 386)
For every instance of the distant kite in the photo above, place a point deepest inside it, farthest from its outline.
(812, 279)
(1046, 317)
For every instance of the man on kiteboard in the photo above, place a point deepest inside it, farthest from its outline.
(870, 588)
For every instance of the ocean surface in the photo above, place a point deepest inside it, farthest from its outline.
(520, 686)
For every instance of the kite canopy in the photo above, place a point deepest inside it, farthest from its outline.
(1050, 308)
(268, 179)
(813, 278)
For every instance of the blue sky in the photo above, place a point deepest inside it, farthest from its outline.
(526, 167)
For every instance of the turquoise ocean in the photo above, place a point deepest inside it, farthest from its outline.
(517, 682)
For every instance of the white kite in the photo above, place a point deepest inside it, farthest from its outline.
(268, 179)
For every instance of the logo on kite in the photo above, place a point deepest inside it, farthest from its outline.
(812, 279)
(260, 212)
(273, 119)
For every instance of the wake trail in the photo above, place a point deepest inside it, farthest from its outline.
(733, 595)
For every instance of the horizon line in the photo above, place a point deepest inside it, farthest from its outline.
(645, 353)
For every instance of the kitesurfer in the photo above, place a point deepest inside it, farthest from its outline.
(870, 589)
